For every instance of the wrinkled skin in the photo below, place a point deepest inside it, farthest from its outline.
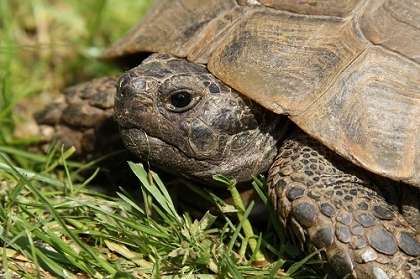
(179, 117)
(217, 131)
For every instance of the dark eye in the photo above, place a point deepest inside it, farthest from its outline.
(181, 99)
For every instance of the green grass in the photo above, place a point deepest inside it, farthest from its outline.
(51, 224)
(54, 228)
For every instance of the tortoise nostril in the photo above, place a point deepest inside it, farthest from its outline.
(121, 92)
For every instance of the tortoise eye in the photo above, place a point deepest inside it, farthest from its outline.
(181, 100)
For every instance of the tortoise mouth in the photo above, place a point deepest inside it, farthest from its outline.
(162, 154)
(141, 143)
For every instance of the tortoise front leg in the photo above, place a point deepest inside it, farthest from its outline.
(326, 202)
(83, 119)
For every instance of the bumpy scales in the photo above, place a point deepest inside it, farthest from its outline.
(323, 200)
(327, 203)
(346, 73)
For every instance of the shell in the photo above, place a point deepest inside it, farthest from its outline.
(346, 72)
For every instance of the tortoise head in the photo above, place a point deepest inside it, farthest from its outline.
(179, 117)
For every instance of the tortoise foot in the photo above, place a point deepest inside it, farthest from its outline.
(342, 212)
(84, 119)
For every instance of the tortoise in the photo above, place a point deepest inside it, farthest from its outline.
(324, 96)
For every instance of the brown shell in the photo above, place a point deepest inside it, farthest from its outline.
(346, 71)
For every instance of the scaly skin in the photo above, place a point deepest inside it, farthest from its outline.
(84, 120)
(323, 200)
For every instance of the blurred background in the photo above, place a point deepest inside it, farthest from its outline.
(47, 45)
